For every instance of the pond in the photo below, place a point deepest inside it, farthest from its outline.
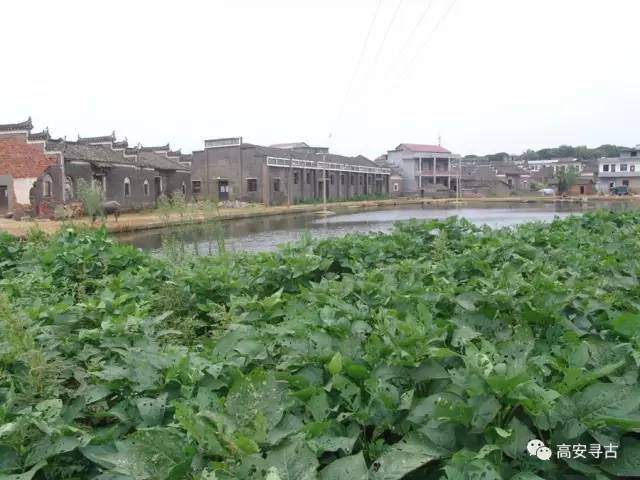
(266, 233)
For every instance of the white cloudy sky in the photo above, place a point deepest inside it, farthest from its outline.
(486, 75)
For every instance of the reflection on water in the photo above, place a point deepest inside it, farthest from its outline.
(266, 233)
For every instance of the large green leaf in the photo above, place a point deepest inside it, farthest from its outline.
(289, 461)
(346, 468)
(259, 393)
(627, 463)
(28, 475)
(410, 453)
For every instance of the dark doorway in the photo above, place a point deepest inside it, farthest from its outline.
(4, 198)
(223, 190)
(157, 183)
(320, 183)
(581, 189)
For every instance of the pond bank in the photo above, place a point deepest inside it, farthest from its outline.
(148, 220)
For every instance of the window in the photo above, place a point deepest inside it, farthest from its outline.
(605, 167)
(623, 167)
(252, 184)
(295, 178)
(632, 168)
(625, 183)
(331, 179)
(127, 187)
(276, 184)
(196, 186)
(361, 179)
(308, 178)
(341, 179)
(613, 167)
(68, 188)
(352, 178)
(634, 153)
(47, 184)
(145, 186)
(184, 188)
(396, 187)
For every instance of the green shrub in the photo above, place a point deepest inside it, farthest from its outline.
(435, 352)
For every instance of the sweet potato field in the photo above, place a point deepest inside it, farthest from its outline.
(435, 352)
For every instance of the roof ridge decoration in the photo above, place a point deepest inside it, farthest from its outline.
(40, 136)
(17, 127)
(100, 139)
(161, 148)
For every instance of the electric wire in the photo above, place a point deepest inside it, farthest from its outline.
(357, 67)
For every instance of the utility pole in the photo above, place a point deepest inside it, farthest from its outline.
(289, 181)
(324, 183)
(458, 187)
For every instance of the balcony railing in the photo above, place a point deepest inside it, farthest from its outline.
(438, 172)
(313, 165)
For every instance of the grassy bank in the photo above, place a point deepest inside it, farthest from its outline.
(436, 352)
(161, 218)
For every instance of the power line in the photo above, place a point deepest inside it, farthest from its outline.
(431, 34)
(358, 63)
(386, 33)
(418, 23)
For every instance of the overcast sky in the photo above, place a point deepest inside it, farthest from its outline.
(485, 75)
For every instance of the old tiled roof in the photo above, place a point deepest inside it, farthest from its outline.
(43, 135)
(122, 144)
(418, 147)
(21, 160)
(12, 127)
(103, 139)
(174, 153)
(162, 148)
(152, 159)
(511, 170)
(290, 145)
(102, 154)
(481, 172)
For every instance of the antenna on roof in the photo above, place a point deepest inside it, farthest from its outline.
(439, 140)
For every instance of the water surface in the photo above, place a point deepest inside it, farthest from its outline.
(266, 233)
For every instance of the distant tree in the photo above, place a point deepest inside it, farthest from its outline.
(530, 155)
(566, 178)
(498, 157)
(607, 150)
(91, 198)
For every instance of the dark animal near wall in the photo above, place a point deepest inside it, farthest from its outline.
(109, 208)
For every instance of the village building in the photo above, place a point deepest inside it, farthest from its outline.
(424, 168)
(133, 177)
(28, 174)
(620, 171)
(556, 165)
(228, 168)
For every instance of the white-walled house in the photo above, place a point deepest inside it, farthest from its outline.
(423, 167)
(620, 171)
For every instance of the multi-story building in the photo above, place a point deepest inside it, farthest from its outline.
(620, 171)
(228, 168)
(424, 167)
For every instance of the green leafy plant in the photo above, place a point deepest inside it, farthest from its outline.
(92, 199)
(435, 352)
